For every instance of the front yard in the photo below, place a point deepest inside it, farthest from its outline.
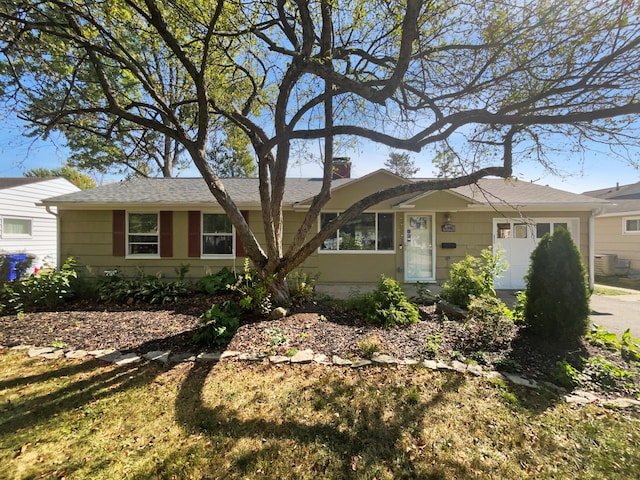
(86, 419)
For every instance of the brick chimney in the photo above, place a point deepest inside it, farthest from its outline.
(341, 167)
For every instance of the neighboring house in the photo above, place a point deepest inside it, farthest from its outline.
(160, 224)
(25, 226)
(618, 230)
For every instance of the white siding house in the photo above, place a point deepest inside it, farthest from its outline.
(25, 227)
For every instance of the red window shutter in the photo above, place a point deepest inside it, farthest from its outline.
(166, 234)
(118, 233)
(239, 247)
(194, 234)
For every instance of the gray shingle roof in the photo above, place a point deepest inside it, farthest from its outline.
(11, 182)
(625, 197)
(244, 191)
(185, 191)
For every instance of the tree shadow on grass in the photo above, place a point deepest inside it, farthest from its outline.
(371, 438)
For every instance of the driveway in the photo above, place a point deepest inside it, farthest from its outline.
(617, 313)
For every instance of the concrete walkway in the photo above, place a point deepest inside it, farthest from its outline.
(616, 313)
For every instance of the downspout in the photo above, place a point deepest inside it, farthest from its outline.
(592, 247)
(57, 215)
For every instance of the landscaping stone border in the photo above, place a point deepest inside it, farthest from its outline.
(577, 397)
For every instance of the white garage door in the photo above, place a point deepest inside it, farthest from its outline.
(518, 238)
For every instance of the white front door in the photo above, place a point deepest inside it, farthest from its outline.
(517, 240)
(418, 248)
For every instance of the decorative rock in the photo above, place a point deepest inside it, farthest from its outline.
(76, 354)
(127, 359)
(443, 366)
(523, 382)
(107, 355)
(459, 366)
(250, 357)
(161, 356)
(450, 310)
(278, 313)
(321, 358)
(279, 359)
(360, 363)
(409, 361)
(431, 364)
(304, 356)
(229, 354)
(475, 370)
(182, 358)
(383, 359)
(341, 362)
(580, 398)
(37, 351)
(622, 403)
(53, 355)
(22, 347)
(209, 356)
(495, 374)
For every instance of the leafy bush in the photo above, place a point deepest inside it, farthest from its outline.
(47, 289)
(219, 282)
(489, 324)
(301, 288)
(387, 305)
(432, 345)
(253, 292)
(144, 288)
(566, 375)
(472, 277)
(604, 373)
(219, 324)
(369, 345)
(557, 305)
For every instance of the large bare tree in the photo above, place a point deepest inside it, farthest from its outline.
(497, 75)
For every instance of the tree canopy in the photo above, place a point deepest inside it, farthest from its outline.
(79, 179)
(401, 164)
(481, 79)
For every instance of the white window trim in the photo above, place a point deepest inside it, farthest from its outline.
(141, 255)
(361, 252)
(202, 234)
(624, 226)
(17, 235)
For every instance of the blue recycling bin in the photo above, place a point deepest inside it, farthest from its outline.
(14, 260)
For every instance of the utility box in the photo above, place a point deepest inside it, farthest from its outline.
(606, 264)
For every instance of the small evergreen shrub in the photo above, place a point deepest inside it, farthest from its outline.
(472, 277)
(219, 324)
(489, 325)
(557, 292)
(387, 305)
(45, 290)
(216, 283)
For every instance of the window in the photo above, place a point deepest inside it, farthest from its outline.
(217, 234)
(142, 234)
(504, 230)
(16, 227)
(520, 230)
(366, 232)
(632, 225)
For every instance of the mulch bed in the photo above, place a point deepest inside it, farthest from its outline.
(324, 329)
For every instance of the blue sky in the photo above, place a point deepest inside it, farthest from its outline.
(19, 153)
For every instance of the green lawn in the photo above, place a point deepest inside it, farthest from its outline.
(616, 281)
(86, 419)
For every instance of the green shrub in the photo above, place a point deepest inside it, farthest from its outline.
(432, 345)
(387, 305)
(301, 288)
(47, 289)
(219, 282)
(557, 305)
(143, 288)
(252, 292)
(489, 324)
(472, 277)
(566, 375)
(219, 324)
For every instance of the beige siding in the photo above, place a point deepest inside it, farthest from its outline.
(610, 239)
